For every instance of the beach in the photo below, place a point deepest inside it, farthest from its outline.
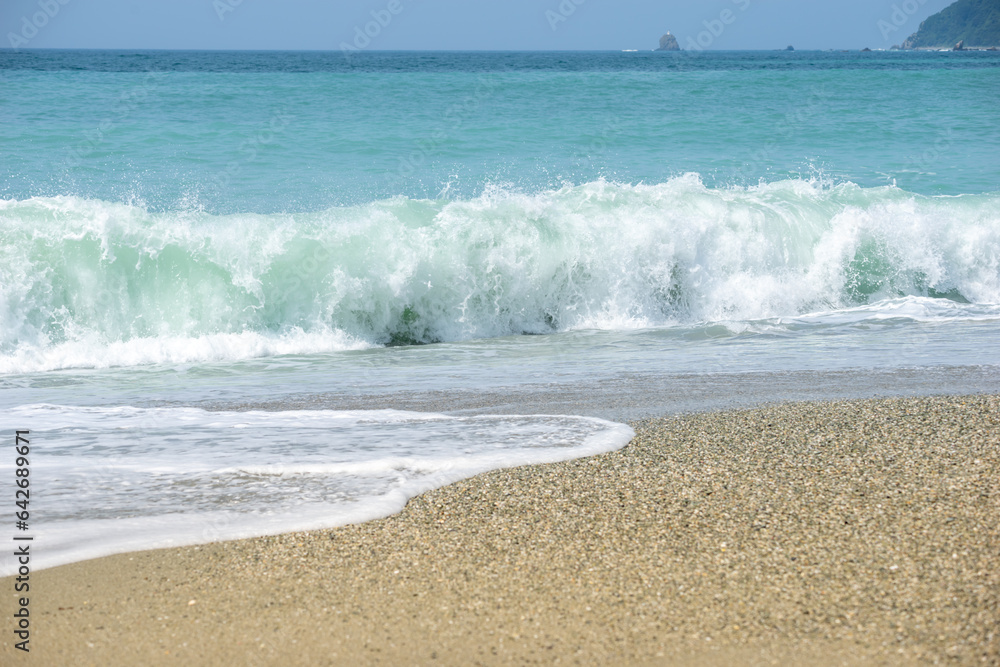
(450, 357)
(845, 532)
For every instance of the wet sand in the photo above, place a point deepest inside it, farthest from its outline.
(859, 532)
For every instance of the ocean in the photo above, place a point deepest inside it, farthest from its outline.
(245, 293)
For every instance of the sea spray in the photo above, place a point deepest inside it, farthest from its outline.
(91, 283)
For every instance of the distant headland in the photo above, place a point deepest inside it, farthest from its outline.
(967, 25)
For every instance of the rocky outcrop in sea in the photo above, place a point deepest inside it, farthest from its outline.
(669, 43)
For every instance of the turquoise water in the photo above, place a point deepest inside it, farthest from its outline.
(237, 133)
(457, 231)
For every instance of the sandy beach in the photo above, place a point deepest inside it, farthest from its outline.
(858, 532)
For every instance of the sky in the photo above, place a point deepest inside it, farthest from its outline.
(459, 24)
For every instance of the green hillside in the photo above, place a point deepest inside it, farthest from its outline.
(976, 22)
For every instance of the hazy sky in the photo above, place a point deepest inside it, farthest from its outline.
(460, 24)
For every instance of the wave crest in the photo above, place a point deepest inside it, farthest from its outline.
(82, 282)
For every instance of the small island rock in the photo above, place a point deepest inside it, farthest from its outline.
(669, 43)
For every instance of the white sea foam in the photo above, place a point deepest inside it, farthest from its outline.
(907, 309)
(93, 284)
(110, 480)
(90, 351)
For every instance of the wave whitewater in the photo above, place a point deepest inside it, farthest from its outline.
(86, 283)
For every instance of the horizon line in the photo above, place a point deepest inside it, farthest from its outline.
(222, 50)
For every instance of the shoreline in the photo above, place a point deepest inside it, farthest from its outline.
(835, 532)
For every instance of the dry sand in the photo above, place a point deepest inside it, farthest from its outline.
(864, 532)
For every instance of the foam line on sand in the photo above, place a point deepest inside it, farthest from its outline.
(856, 532)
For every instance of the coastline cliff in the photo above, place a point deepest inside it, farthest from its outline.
(963, 25)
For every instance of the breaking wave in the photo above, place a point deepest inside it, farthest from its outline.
(86, 283)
